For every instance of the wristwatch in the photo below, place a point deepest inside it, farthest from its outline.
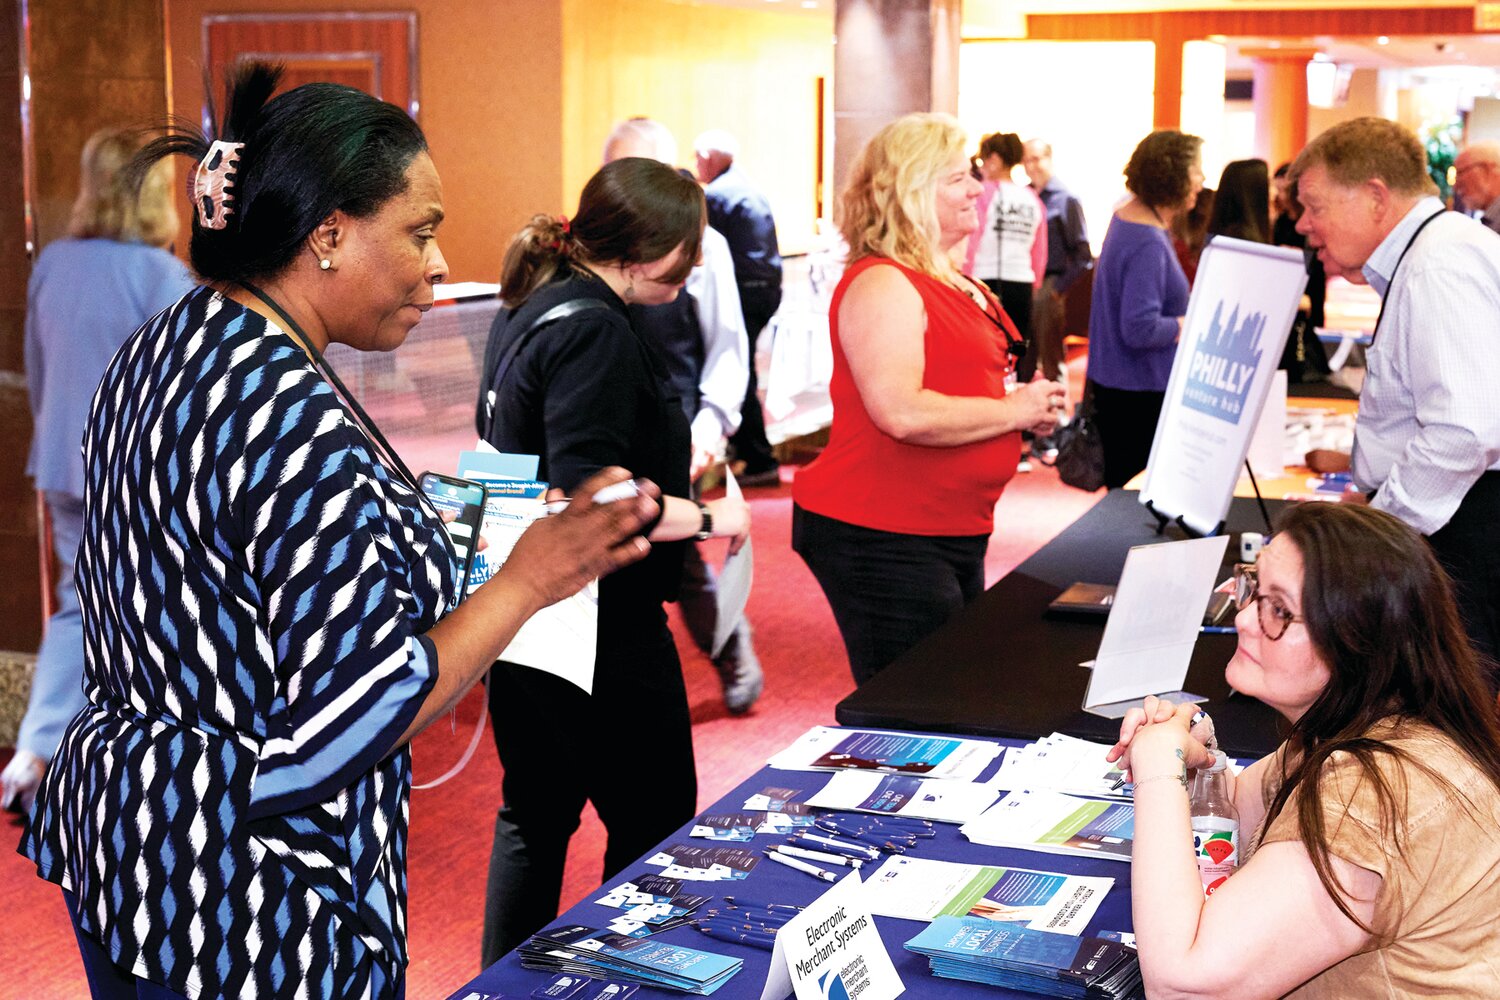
(706, 525)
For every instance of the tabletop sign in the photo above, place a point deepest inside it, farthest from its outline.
(1243, 302)
(832, 951)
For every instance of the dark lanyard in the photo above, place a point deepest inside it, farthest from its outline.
(1392, 283)
(1015, 344)
(361, 418)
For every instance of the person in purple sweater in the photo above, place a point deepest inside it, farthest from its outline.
(1140, 297)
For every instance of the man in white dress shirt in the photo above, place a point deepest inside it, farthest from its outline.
(1427, 440)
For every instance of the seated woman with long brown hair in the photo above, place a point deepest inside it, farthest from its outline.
(1375, 865)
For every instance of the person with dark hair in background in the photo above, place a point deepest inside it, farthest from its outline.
(570, 379)
(1427, 438)
(1190, 233)
(1140, 298)
(1370, 840)
(739, 211)
(701, 338)
(263, 585)
(87, 293)
(1069, 257)
(1242, 202)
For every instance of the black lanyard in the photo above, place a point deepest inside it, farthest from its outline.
(1015, 344)
(361, 418)
(1392, 283)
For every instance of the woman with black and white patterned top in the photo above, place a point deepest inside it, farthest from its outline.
(263, 588)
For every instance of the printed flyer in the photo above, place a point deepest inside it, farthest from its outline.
(925, 889)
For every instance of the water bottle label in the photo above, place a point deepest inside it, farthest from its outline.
(1218, 853)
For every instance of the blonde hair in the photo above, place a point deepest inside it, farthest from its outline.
(889, 206)
(1363, 149)
(107, 207)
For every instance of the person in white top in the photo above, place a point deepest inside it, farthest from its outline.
(1008, 252)
(1427, 440)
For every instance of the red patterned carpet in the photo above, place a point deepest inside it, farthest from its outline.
(806, 675)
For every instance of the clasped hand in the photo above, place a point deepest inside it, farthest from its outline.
(1153, 731)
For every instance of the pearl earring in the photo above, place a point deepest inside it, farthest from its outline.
(325, 264)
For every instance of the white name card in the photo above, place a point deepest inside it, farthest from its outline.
(832, 949)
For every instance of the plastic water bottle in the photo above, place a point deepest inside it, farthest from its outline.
(1216, 824)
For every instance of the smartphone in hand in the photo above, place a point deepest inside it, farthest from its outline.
(464, 498)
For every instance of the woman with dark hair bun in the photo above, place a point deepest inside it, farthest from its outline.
(265, 592)
(1371, 837)
(567, 377)
(1140, 298)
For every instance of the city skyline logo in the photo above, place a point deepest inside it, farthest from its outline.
(1224, 363)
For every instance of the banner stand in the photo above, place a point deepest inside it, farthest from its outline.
(1162, 520)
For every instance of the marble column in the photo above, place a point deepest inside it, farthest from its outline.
(891, 57)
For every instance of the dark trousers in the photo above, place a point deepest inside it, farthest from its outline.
(888, 591)
(107, 981)
(749, 443)
(1127, 424)
(1468, 546)
(1047, 314)
(1015, 299)
(627, 748)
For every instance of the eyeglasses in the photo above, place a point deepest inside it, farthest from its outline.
(1274, 617)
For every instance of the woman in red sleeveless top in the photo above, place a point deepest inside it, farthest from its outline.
(894, 516)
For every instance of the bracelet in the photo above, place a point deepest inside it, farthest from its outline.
(1181, 779)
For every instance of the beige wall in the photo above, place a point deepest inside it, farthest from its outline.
(694, 68)
(490, 85)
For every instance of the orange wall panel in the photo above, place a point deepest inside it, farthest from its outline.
(698, 67)
(490, 92)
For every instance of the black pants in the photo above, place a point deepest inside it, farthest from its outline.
(107, 981)
(749, 443)
(628, 749)
(1127, 424)
(1015, 299)
(888, 591)
(1468, 546)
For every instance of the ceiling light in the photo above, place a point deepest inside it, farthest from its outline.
(1383, 40)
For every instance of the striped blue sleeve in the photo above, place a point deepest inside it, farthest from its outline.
(341, 608)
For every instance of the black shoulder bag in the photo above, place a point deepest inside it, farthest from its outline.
(1080, 451)
(496, 373)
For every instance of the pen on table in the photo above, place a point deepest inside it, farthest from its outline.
(803, 866)
(840, 846)
(854, 828)
(875, 841)
(764, 919)
(823, 856)
(883, 819)
(868, 835)
(740, 923)
(755, 904)
(751, 938)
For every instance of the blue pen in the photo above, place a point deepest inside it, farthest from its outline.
(1218, 629)
(884, 819)
(765, 942)
(756, 904)
(867, 831)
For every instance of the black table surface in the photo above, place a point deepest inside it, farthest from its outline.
(1005, 666)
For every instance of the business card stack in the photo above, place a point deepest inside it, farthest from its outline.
(977, 950)
(649, 962)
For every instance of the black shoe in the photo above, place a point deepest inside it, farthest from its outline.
(765, 477)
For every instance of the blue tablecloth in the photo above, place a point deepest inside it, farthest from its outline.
(770, 882)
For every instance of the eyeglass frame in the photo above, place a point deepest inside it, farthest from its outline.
(1247, 592)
